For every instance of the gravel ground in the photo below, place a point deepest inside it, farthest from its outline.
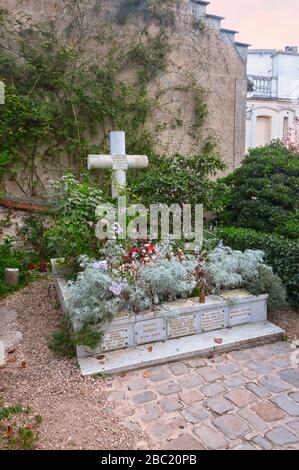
(75, 410)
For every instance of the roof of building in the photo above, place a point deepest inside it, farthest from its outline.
(225, 30)
(243, 44)
(273, 52)
(216, 17)
(201, 2)
(262, 51)
(285, 52)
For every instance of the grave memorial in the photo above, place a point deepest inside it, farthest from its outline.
(173, 330)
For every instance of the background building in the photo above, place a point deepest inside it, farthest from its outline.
(273, 102)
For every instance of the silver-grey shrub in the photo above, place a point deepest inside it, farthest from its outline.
(231, 269)
(106, 287)
(168, 279)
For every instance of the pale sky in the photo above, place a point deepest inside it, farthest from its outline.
(271, 24)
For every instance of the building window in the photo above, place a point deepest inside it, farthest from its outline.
(285, 127)
(263, 130)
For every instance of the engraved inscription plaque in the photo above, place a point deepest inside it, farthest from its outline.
(150, 331)
(239, 316)
(184, 325)
(116, 338)
(120, 162)
(213, 320)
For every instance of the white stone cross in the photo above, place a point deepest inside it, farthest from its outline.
(118, 161)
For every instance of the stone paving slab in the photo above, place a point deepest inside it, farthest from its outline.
(233, 405)
(186, 348)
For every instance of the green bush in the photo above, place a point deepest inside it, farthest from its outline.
(32, 235)
(263, 194)
(73, 231)
(64, 340)
(179, 179)
(281, 253)
(266, 282)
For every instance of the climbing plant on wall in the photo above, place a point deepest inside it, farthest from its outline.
(66, 86)
(150, 9)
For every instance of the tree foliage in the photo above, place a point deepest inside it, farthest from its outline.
(180, 179)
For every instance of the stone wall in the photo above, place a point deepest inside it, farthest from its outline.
(199, 46)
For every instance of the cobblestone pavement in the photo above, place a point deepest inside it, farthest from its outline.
(241, 400)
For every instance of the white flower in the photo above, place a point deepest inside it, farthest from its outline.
(117, 229)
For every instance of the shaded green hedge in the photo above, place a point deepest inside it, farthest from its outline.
(281, 253)
(263, 193)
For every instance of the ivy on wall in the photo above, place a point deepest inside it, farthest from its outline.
(64, 87)
(150, 9)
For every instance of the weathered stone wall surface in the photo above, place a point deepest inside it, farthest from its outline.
(208, 53)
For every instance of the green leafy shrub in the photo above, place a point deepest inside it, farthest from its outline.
(281, 253)
(266, 282)
(179, 179)
(88, 336)
(32, 235)
(61, 340)
(263, 194)
(73, 231)
(64, 340)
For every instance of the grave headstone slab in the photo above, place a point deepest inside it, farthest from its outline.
(11, 277)
(213, 320)
(239, 316)
(236, 293)
(184, 325)
(116, 338)
(182, 306)
(150, 331)
(179, 304)
(123, 315)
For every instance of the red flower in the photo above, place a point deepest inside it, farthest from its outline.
(133, 250)
(150, 247)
